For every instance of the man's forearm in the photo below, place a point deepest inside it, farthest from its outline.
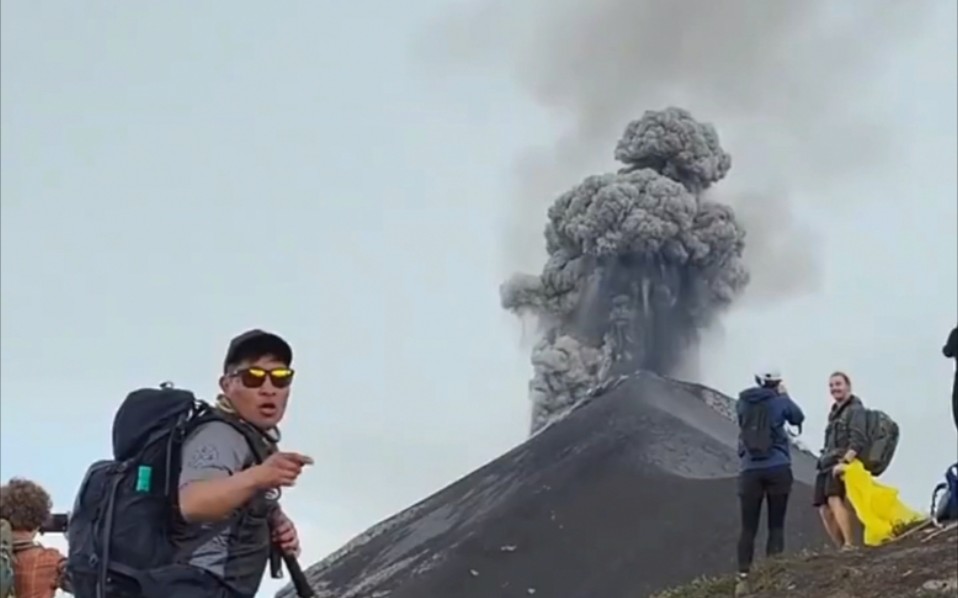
(215, 500)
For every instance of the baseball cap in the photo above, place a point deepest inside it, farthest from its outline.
(256, 343)
(768, 376)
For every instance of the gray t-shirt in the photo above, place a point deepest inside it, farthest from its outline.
(237, 549)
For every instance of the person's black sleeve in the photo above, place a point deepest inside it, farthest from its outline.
(951, 346)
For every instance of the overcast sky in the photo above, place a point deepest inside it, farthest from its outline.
(175, 173)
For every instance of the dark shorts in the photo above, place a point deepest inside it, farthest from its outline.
(827, 485)
(760, 482)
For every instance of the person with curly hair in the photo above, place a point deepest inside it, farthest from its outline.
(38, 571)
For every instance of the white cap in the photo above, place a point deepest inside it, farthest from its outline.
(768, 376)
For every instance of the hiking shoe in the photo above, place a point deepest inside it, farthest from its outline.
(848, 548)
(742, 587)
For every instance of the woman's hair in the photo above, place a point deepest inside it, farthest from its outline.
(843, 376)
(25, 504)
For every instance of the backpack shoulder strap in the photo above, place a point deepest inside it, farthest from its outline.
(261, 448)
(259, 445)
(25, 545)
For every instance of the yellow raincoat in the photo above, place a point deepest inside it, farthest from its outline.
(877, 506)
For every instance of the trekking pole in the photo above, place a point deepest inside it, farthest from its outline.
(296, 575)
(276, 560)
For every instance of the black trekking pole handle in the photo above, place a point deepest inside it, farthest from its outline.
(303, 589)
(276, 560)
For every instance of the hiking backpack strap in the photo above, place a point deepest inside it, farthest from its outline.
(261, 447)
(25, 545)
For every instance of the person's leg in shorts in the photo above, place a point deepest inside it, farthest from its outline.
(841, 511)
(779, 487)
(751, 494)
(820, 502)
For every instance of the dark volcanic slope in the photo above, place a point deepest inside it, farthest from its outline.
(630, 493)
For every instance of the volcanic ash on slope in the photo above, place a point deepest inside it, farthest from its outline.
(633, 492)
(639, 263)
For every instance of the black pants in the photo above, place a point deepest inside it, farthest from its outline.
(182, 581)
(173, 581)
(954, 399)
(755, 487)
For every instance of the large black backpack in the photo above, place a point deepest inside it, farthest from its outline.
(126, 507)
(755, 429)
(881, 441)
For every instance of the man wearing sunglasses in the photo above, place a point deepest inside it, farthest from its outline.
(226, 498)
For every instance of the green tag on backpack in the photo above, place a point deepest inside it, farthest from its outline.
(144, 474)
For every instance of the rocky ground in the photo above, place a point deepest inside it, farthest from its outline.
(922, 562)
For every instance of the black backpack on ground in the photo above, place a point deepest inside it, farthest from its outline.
(126, 508)
(755, 429)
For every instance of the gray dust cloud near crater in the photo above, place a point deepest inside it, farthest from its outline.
(639, 262)
(795, 88)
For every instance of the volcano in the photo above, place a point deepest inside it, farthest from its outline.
(632, 491)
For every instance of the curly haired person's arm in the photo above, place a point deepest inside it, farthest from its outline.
(63, 579)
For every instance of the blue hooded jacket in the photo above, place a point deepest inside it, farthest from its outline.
(781, 410)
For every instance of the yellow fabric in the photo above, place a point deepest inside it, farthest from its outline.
(877, 505)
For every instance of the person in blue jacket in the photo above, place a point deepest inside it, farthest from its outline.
(765, 473)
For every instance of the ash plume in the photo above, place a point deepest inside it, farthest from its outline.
(793, 84)
(639, 262)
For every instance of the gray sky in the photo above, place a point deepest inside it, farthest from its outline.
(174, 174)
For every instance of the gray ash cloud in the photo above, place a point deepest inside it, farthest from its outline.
(639, 262)
(792, 84)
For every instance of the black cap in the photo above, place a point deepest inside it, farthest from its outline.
(257, 343)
